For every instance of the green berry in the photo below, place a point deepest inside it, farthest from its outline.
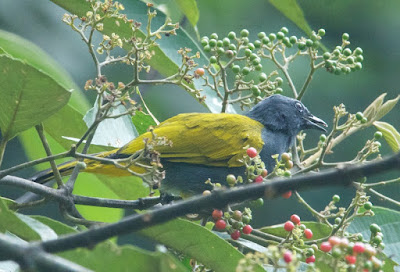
(364, 120)
(329, 63)
(214, 36)
(285, 30)
(257, 43)
(207, 48)
(244, 33)
(204, 42)
(350, 60)
(368, 206)
(360, 58)
(257, 203)
(258, 67)
(338, 220)
(287, 42)
(220, 50)
(336, 198)
(231, 35)
(262, 77)
(256, 91)
(326, 55)
(213, 59)
(245, 70)
(235, 69)
(278, 81)
(246, 219)
(220, 43)
(81, 165)
(347, 52)
(232, 46)
(358, 66)
(309, 252)
(301, 46)
(261, 35)
(345, 36)
(226, 42)
(293, 39)
(247, 52)
(287, 173)
(314, 37)
(322, 138)
(256, 61)
(358, 51)
(212, 42)
(253, 56)
(265, 40)
(309, 43)
(245, 40)
(359, 116)
(251, 46)
(374, 228)
(272, 36)
(237, 215)
(321, 32)
(337, 71)
(278, 90)
(230, 53)
(378, 135)
(336, 52)
(280, 35)
(377, 240)
(336, 253)
(231, 180)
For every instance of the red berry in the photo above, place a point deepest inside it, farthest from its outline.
(251, 152)
(358, 247)
(264, 173)
(308, 233)
(288, 226)
(287, 195)
(235, 235)
(295, 219)
(258, 179)
(310, 259)
(220, 224)
(351, 259)
(325, 246)
(287, 256)
(247, 229)
(199, 71)
(334, 240)
(217, 214)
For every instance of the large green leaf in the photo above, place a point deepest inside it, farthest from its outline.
(293, 12)
(166, 60)
(29, 96)
(142, 122)
(389, 221)
(189, 8)
(197, 242)
(391, 135)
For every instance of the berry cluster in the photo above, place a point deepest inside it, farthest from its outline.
(234, 222)
(352, 255)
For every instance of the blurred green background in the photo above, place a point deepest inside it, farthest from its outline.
(372, 25)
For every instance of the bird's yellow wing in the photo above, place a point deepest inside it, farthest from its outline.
(206, 138)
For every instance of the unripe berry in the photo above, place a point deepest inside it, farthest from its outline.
(301, 45)
(378, 135)
(245, 70)
(257, 203)
(213, 59)
(232, 46)
(336, 198)
(280, 35)
(359, 116)
(289, 164)
(244, 33)
(207, 48)
(326, 55)
(220, 224)
(199, 72)
(368, 206)
(250, 46)
(217, 214)
(237, 215)
(212, 42)
(295, 219)
(257, 43)
(251, 152)
(347, 52)
(225, 42)
(286, 157)
(247, 52)
(345, 36)
(81, 165)
(235, 235)
(287, 195)
(308, 233)
(214, 36)
(258, 67)
(311, 259)
(272, 36)
(261, 35)
(231, 35)
(287, 256)
(289, 226)
(334, 240)
(285, 30)
(322, 138)
(265, 40)
(293, 39)
(325, 246)
(264, 173)
(235, 69)
(247, 229)
(321, 32)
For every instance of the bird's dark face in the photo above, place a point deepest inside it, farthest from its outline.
(281, 113)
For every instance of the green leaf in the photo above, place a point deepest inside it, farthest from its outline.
(189, 8)
(371, 111)
(386, 107)
(197, 242)
(166, 60)
(389, 221)
(319, 230)
(29, 96)
(391, 135)
(142, 121)
(293, 12)
(10, 222)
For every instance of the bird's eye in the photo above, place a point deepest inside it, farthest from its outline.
(299, 107)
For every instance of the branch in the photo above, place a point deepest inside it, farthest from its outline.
(218, 199)
(32, 257)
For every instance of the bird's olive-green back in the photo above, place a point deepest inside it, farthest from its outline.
(204, 138)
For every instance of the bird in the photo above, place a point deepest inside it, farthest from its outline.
(210, 146)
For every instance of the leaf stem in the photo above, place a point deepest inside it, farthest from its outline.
(3, 144)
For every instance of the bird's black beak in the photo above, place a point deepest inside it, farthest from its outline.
(315, 122)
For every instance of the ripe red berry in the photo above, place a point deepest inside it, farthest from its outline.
(295, 219)
(258, 179)
(220, 224)
(351, 259)
(289, 226)
(247, 229)
(235, 235)
(217, 214)
(308, 233)
(287, 256)
(310, 259)
(334, 240)
(199, 71)
(287, 195)
(251, 152)
(325, 246)
(358, 247)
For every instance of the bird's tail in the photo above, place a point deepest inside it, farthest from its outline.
(65, 169)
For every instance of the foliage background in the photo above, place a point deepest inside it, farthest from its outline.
(372, 25)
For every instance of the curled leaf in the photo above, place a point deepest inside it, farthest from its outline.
(371, 111)
(391, 135)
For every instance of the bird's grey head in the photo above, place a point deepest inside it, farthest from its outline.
(286, 115)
